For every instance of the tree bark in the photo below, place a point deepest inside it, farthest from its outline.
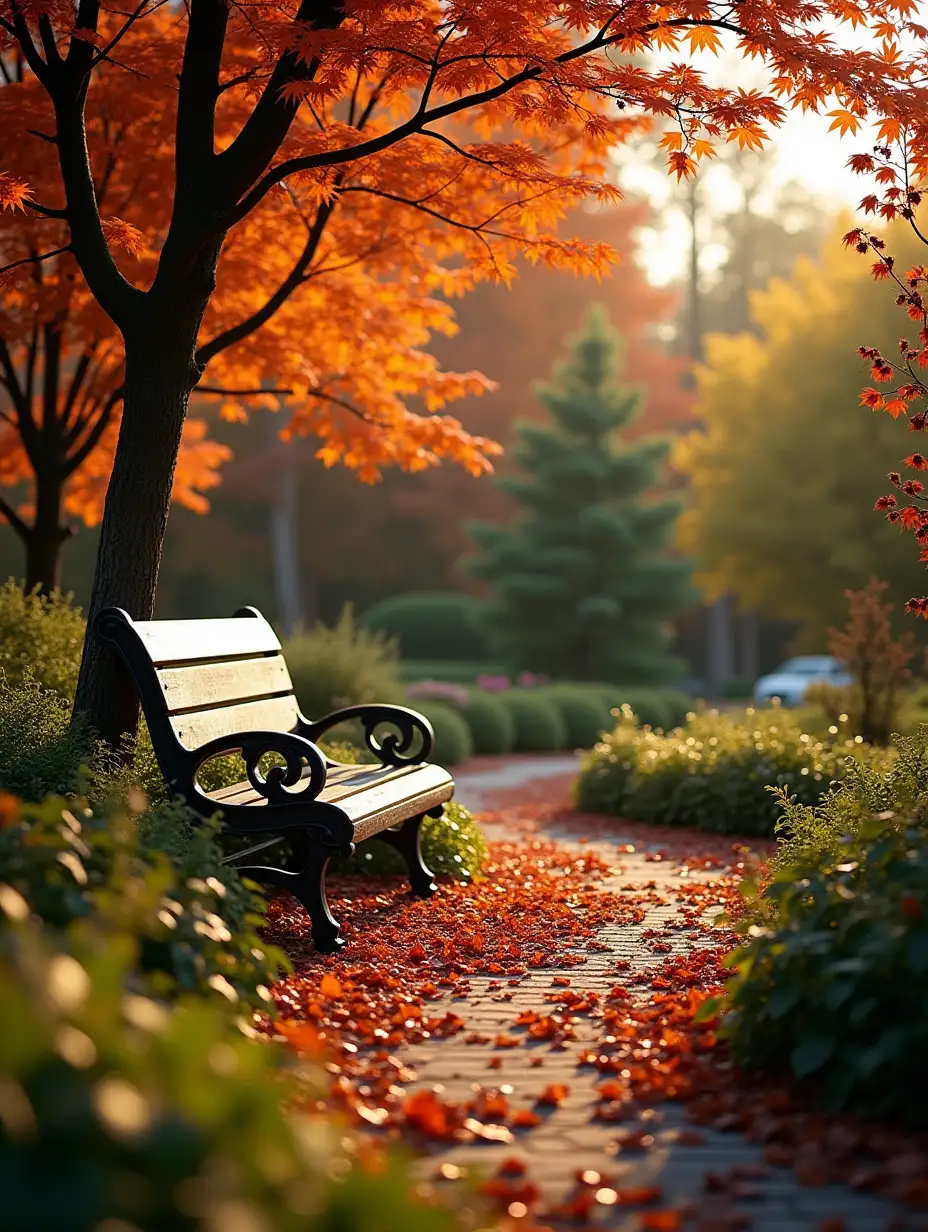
(159, 377)
(46, 536)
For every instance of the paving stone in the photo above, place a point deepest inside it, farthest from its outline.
(568, 1140)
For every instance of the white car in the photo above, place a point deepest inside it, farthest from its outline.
(791, 679)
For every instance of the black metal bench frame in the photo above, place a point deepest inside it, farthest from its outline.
(286, 802)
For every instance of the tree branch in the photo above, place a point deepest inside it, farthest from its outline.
(11, 379)
(76, 459)
(18, 525)
(261, 136)
(44, 256)
(420, 118)
(236, 333)
(238, 393)
(198, 92)
(67, 87)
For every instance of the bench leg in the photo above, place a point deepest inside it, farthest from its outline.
(305, 880)
(407, 841)
(310, 890)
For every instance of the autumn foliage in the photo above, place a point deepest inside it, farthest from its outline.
(316, 180)
(877, 660)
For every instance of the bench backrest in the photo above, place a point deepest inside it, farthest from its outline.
(206, 678)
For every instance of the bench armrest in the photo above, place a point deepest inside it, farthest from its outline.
(411, 746)
(275, 784)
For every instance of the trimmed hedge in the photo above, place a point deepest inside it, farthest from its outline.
(464, 671)
(585, 713)
(430, 624)
(492, 726)
(539, 727)
(453, 741)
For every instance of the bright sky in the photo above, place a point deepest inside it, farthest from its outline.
(803, 150)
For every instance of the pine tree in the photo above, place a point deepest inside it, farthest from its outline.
(582, 581)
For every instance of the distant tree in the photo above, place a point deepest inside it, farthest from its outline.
(876, 659)
(582, 582)
(784, 473)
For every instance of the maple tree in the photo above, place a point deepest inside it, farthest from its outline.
(354, 109)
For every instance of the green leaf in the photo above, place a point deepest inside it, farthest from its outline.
(709, 1009)
(782, 1000)
(811, 1055)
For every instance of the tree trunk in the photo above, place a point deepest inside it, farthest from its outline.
(750, 645)
(46, 537)
(159, 378)
(719, 646)
(285, 531)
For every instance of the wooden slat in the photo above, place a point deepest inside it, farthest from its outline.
(373, 797)
(189, 641)
(341, 781)
(393, 803)
(200, 726)
(201, 685)
(384, 796)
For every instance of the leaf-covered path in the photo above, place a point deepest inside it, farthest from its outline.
(507, 1041)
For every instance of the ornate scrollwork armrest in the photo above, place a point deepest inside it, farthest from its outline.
(276, 783)
(412, 745)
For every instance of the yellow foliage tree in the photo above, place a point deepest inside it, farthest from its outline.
(785, 471)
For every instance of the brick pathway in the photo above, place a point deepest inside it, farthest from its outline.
(569, 1140)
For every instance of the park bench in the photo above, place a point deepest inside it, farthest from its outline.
(215, 687)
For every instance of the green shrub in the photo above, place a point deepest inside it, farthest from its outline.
(539, 727)
(41, 637)
(660, 708)
(120, 1114)
(40, 752)
(836, 988)
(200, 924)
(886, 782)
(491, 724)
(452, 846)
(342, 666)
(453, 743)
(465, 671)
(676, 706)
(712, 775)
(432, 624)
(649, 707)
(585, 713)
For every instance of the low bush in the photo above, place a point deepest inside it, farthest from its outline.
(583, 709)
(199, 928)
(40, 752)
(41, 637)
(452, 846)
(492, 726)
(453, 743)
(713, 774)
(432, 625)
(122, 1113)
(832, 984)
(539, 727)
(342, 666)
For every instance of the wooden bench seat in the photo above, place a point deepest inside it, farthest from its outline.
(210, 688)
